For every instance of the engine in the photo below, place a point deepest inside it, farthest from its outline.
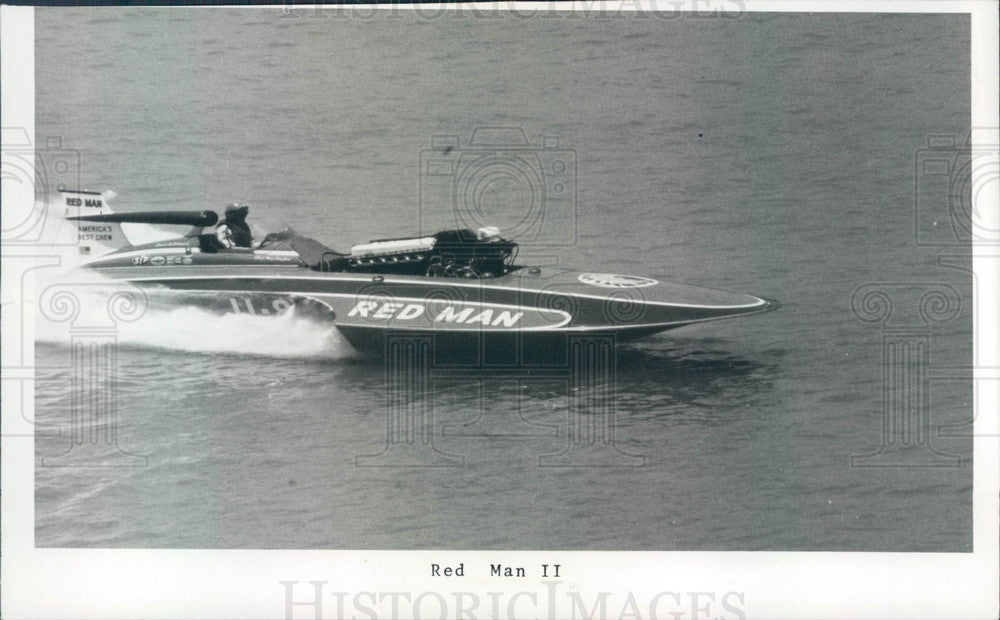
(461, 253)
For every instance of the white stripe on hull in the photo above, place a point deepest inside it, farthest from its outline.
(435, 282)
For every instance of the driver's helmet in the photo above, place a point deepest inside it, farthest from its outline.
(237, 211)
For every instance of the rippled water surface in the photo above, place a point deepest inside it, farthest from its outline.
(767, 154)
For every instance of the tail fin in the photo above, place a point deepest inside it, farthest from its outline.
(100, 231)
(94, 238)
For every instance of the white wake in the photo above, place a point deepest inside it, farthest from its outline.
(66, 302)
(74, 303)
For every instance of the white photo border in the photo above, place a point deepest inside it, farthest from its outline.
(115, 583)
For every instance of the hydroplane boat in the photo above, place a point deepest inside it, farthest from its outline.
(462, 288)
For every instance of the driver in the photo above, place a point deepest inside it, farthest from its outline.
(234, 232)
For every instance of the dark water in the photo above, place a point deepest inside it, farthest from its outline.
(767, 154)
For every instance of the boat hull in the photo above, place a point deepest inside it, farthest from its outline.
(527, 309)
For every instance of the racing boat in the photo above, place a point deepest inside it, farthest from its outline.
(460, 288)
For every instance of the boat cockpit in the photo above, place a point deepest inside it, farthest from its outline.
(461, 253)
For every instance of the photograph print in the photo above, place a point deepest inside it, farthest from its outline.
(477, 281)
(545, 310)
